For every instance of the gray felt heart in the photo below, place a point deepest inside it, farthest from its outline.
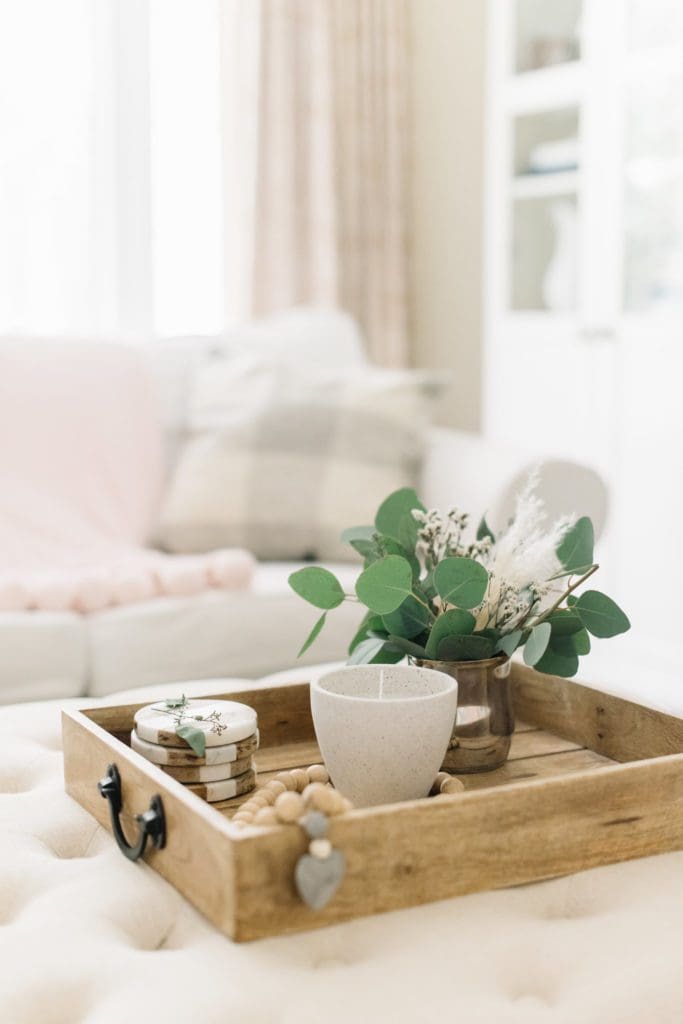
(318, 880)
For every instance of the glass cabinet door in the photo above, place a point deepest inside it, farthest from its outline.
(653, 155)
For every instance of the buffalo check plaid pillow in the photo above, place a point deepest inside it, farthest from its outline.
(281, 461)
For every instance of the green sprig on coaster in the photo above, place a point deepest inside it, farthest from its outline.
(185, 729)
(439, 592)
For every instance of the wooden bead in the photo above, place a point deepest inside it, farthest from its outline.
(266, 816)
(286, 779)
(346, 805)
(268, 795)
(320, 849)
(318, 773)
(300, 778)
(260, 800)
(323, 798)
(451, 785)
(276, 787)
(289, 807)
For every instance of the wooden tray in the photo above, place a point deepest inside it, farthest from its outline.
(591, 779)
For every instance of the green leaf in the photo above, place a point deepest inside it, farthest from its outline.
(581, 641)
(313, 634)
(385, 585)
(577, 643)
(484, 530)
(176, 702)
(571, 600)
(600, 615)
(509, 643)
(461, 581)
(193, 736)
(564, 623)
(465, 648)
(388, 655)
(427, 588)
(408, 646)
(394, 517)
(358, 533)
(408, 620)
(536, 645)
(370, 622)
(366, 651)
(554, 663)
(575, 550)
(319, 587)
(361, 539)
(456, 622)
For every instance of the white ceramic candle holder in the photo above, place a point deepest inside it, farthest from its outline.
(383, 730)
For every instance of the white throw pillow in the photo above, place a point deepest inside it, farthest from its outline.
(281, 460)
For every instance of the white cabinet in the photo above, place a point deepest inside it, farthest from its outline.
(584, 270)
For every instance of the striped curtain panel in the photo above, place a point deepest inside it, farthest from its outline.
(316, 136)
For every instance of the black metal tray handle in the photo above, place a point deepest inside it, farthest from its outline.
(152, 823)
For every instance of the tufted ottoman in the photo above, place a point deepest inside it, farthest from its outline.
(86, 936)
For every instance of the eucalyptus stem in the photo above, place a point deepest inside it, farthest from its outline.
(423, 603)
(567, 592)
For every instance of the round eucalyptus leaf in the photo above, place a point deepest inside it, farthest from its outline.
(509, 643)
(394, 517)
(575, 550)
(408, 620)
(465, 648)
(554, 663)
(461, 581)
(319, 587)
(536, 645)
(385, 584)
(601, 615)
(564, 623)
(408, 646)
(454, 622)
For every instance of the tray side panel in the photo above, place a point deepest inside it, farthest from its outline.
(197, 859)
(284, 712)
(431, 850)
(609, 725)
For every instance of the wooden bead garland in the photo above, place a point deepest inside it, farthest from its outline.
(287, 797)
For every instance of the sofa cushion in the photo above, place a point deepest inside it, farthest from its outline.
(44, 654)
(247, 633)
(282, 460)
(307, 336)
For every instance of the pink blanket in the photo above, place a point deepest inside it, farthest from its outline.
(80, 481)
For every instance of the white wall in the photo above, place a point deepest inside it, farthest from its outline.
(448, 51)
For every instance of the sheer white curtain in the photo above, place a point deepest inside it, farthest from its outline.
(176, 166)
(110, 167)
(51, 230)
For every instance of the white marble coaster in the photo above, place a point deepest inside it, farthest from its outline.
(234, 721)
(226, 790)
(186, 757)
(208, 772)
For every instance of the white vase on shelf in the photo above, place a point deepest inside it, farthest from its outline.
(560, 279)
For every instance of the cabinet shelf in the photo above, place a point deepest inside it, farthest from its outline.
(561, 85)
(549, 184)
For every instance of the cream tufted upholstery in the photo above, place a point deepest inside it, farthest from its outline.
(85, 936)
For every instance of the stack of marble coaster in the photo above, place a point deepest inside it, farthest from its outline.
(225, 770)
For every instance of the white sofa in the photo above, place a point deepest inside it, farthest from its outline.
(220, 633)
